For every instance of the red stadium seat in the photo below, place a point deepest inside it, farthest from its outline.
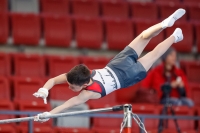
(171, 131)
(62, 92)
(33, 106)
(187, 43)
(4, 89)
(61, 64)
(144, 10)
(5, 64)
(88, 8)
(26, 28)
(94, 62)
(25, 87)
(142, 25)
(3, 5)
(146, 109)
(29, 65)
(40, 129)
(153, 131)
(192, 70)
(37, 107)
(7, 129)
(126, 95)
(117, 9)
(166, 9)
(197, 33)
(193, 10)
(8, 106)
(169, 1)
(175, 131)
(106, 123)
(57, 30)
(106, 130)
(74, 130)
(89, 32)
(4, 30)
(191, 2)
(119, 33)
(55, 7)
(195, 93)
(183, 124)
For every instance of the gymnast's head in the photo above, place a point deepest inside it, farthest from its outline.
(78, 77)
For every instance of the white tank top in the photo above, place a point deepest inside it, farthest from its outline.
(107, 79)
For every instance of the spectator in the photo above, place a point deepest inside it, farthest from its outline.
(168, 72)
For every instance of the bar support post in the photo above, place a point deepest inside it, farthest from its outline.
(128, 114)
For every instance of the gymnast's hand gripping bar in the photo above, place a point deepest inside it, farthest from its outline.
(114, 108)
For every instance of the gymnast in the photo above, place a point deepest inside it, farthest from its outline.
(124, 70)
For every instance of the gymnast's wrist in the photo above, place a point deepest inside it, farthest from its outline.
(44, 90)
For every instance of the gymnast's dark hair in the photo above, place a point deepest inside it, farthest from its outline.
(79, 75)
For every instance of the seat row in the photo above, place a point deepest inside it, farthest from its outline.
(107, 124)
(89, 32)
(107, 8)
(35, 65)
(22, 88)
(46, 66)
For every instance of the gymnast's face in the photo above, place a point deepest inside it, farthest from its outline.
(75, 88)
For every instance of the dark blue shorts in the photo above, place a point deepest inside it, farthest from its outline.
(128, 70)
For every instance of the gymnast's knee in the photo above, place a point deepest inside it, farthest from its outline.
(145, 35)
(148, 36)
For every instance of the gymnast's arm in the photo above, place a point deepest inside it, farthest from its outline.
(83, 97)
(56, 80)
(44, 91)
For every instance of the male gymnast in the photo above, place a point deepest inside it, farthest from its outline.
(124, 70)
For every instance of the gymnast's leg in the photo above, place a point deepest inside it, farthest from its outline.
(148, 60)
(140, 42)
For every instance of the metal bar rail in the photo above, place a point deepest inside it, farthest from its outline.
(115, 108)
(143, 116)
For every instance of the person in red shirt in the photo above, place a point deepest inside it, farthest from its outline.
(168, 72)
